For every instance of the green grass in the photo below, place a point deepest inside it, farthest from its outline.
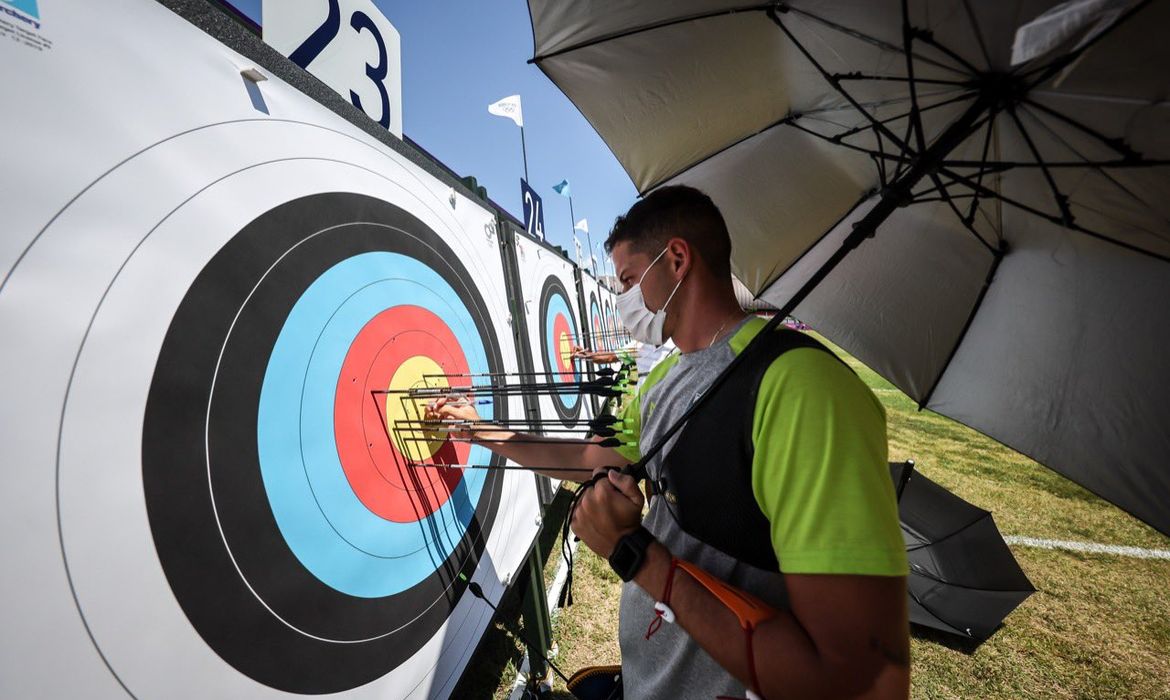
(1098, 626)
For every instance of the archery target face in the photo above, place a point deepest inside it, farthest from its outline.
(591, 318)
(358, 546)
(597, 321)
(205, 337)
(609, 327)
(546, 279)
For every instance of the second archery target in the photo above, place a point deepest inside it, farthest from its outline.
(553, 330)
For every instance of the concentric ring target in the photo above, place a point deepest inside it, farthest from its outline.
(597, 324)
(610, 328)
(318, 560)
(558, 333)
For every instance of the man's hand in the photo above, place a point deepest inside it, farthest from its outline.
(456, 407)
(607, 511)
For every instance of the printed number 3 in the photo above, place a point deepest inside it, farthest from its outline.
(312, 47)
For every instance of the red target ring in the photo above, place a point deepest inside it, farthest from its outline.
(392, 351)
(563, 335)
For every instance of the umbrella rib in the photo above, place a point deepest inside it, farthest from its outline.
(927, 575)
(928, 611)
(983, 514)
(908, 50)
(983, 159)
(903, 115)
(900, 79)
(880, 43)
(927, 37)
(1049, 217)
(998, 166)
(1118, 145)
(942, 188)
(755, 7)
(1099, 167)
(923, 200)
(978, 32)
(787, 120)
(1061, 198)
(878, 154)
(876, 103)
(834, 83)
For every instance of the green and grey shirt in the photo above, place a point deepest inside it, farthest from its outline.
(819, 475)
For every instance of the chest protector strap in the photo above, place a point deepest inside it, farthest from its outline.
(706, 477)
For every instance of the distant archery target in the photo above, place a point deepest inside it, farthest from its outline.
(558, 334)
(296, 537)
(610, 327)
(597, 324)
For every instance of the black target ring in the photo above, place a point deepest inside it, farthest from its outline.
(301, 654)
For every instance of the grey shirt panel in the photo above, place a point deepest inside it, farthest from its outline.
(670, 664)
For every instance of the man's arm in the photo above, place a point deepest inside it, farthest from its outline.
(844, 635)
(552, 457)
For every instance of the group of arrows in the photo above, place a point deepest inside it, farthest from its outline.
(421, 427)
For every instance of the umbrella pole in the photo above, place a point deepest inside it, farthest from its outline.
(900, 192)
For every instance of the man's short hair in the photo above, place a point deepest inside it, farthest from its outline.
(675, 211)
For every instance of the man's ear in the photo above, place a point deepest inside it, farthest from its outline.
(680, 256)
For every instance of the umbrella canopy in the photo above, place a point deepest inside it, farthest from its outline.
(1008, 159)
(963, 578)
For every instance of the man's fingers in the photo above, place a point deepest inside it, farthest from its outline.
(627, 486)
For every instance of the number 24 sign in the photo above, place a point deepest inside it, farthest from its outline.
(349, 45)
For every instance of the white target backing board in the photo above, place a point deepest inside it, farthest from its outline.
(212, 294)
(552, 315)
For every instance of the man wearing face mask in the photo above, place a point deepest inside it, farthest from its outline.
(776, 492)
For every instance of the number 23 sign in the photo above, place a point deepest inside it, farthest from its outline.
(349, 45)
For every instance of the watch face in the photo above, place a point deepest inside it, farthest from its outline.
(623, 556)
(627, 555)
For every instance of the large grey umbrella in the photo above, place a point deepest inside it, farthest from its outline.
(1008, 159)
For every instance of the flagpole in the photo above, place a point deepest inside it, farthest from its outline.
(524, 153)
(573, 224)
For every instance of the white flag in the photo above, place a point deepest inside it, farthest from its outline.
(577, 243)
(508, 107)
(582, 225)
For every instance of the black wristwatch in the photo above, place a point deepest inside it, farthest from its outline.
(630, 553)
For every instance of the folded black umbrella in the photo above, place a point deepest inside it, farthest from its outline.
(963, 578)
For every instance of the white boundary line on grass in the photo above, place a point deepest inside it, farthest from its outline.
(1092, 547)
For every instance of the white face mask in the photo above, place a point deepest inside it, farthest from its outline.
(644, 325)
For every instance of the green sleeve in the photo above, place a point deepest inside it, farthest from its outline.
(820, 471)
(631, 420)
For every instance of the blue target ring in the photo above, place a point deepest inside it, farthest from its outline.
(327, 527)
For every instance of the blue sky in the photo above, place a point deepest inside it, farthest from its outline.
(458, 56)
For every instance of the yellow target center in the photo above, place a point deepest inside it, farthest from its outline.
(565, 347)
(403, 413)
